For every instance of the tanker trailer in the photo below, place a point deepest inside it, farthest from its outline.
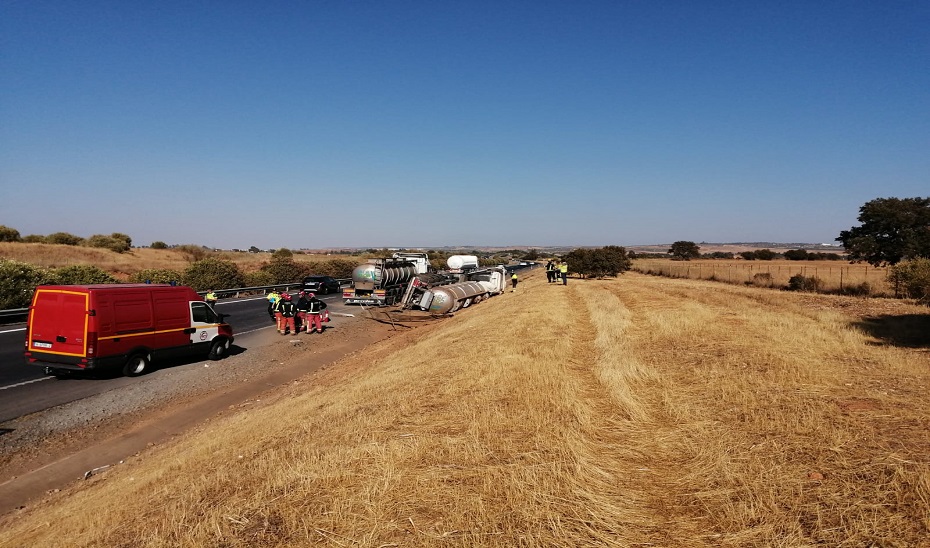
(459, 263)
(380, 282)
(449, 298)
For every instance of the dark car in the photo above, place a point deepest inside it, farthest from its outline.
(321, 285)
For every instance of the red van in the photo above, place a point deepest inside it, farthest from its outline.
(93, 327)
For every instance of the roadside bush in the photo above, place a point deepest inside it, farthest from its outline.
(17, 283)
(282, 254)
(912, 279)
(192, 253)
(156, 276)
(337, 268)
(258, 278)
(107, 242)
(34, 239)
(213, 274)
(159, 245)
(800, 282)
(763, 279)
(8, 234)
(80, 275)
(63, 238)
(284, 271)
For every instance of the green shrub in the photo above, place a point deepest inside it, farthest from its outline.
(259, 278)
(156, 276)
(159, 245)
(337, 268)
(192, 252)
(213, 274)
(81, 275)
(282, 254)
(284, 271)
(34, 239)
(8, 234)
(799, 282)
(912, 279)
(63, 238)
(107, 242)
(17, 283)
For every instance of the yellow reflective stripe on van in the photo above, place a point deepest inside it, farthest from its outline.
(198, 328)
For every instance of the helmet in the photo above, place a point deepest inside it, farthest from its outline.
(286, 296)
(311, 295)
(302, 293)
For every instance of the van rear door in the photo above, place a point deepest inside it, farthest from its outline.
(58, 322)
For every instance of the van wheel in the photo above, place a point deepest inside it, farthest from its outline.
(136, 365)
(218, 350)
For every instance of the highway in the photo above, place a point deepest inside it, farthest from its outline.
(26, 389)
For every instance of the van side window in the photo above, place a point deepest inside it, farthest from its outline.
(201, 313)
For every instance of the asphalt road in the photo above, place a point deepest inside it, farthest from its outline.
(26, 389)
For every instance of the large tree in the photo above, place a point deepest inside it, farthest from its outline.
(684, 250)
(892, 230)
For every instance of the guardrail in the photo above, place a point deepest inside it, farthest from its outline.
(5, 315)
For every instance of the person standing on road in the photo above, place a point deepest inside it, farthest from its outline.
(272, 301)
(316, 310)
(303, 305)
(210, 298)
(513, 280)
(288, 311)
(563, 270)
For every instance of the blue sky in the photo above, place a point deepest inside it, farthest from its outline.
(398, 123)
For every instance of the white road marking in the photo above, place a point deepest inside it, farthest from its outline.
(13, 330)
(24, 383)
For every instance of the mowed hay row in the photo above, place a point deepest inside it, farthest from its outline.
(775, 421)
(637, 411)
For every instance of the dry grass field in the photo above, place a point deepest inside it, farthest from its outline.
(642, 411)
(123, 265)
(836, 275)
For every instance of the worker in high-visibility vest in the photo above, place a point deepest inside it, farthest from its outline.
(210, 297)
(273, 298)
(513, 280)
(286, 311)
(563, 270)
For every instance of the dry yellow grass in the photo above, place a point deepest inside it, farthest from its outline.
(631, 412)
(834, 274)
(123, 265)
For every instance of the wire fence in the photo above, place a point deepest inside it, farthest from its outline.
(845, 278)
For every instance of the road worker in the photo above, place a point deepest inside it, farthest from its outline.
(303, 304)
(563, 270)
(316, 313)
(513, 280)
(273, 298)
(288, 310)
(210, 298)
(550, 272)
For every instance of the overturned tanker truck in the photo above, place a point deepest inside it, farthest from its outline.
(381, 282)
(405, 279)
(463, 285)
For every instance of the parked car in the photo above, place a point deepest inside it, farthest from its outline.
(321, 285)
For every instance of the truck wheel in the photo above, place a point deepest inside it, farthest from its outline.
(217, 350)
(136, 365)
